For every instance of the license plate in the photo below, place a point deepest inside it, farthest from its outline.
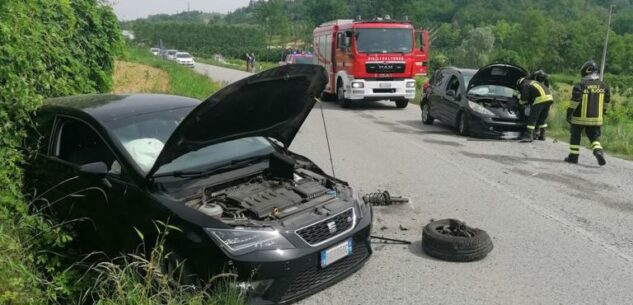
(333, 254)
(385, 85)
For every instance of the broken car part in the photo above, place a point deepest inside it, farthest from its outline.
(383, 198)
(453, 240)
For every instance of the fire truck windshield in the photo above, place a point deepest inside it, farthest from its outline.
(384, 40)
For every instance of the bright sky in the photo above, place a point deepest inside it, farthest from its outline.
(132, 9)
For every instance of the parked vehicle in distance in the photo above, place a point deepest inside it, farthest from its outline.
(185, 59)
(171, 54)
(218, 170)
(477, 102)
(299, 58)
(155, 51)
(371, 60)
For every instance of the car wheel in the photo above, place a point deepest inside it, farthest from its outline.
(453, 240)
(462, 124)
(402, 103)
(340, 95)
(426, 113)
(175, 268)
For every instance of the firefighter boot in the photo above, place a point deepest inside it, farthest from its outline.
(599, 154)
(528, 136)
(572, 158)
(541, 134)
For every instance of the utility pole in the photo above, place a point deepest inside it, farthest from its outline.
(606, 43)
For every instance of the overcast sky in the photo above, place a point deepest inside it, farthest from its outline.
(132, 9)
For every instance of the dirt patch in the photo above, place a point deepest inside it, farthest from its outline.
(136, 78)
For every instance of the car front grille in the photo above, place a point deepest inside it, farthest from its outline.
(385, 67)
(327, 229)
(316, 276)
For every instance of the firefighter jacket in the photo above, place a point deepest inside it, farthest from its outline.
(588, 100)
(533, 92)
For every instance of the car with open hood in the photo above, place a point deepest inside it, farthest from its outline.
(479, 103)
(219, 170)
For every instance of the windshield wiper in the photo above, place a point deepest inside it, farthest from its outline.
(234, 164)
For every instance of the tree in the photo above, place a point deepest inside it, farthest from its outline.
(475, 50)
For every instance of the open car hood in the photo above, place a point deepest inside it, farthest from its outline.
(273, 104)
(497, 74)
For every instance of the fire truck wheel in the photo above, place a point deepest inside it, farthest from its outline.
(340, 95)
(402, 103)
(453, 240)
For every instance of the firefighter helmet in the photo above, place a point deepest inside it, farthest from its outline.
(589, 67)
(520, 82)
(540, 76)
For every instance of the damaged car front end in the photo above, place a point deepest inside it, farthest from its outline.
(220, 171)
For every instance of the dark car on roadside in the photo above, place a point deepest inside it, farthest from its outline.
(219, 170)
(480, 103)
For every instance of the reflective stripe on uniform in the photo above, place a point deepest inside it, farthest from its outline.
(574, 149)
(585, 101)
(577, 147)
(584, 121)
(596, 145)
(542, 126)
(531, 127)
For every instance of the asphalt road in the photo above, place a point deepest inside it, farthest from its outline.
(220, 74)
(562, 234)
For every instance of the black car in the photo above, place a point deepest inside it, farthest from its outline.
(224, 176)
(479, 103)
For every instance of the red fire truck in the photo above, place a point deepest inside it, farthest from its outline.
(371, 60)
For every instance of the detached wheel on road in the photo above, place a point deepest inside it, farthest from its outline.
(452, 240)
(340, 95)
(402, 103)
(462, 124)
(427, 119)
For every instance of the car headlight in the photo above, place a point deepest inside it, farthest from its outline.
(410, 84)
(480, 109)
(239, 241)
(358, 85)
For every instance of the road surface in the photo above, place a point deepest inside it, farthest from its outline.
(562, 234)
(222, 75)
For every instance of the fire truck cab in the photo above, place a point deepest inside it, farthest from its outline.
(371, 60)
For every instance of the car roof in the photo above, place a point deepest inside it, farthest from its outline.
(463, 71)
(108, 107)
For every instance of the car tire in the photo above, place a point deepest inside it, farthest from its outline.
(452, 240)
(462, 124)
(340, 96)
(176, 268)
(402, 103)
(427, 119)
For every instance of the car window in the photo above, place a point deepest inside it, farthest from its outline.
(79, 144)
(39, 136)
(453, 84)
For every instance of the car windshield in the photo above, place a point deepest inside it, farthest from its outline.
(171, 52)
(144, 137)
(491, 90)
(384, 40)
(183, 55)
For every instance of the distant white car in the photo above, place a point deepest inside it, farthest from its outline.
(184, 58)
(171, 54)
(155, 51)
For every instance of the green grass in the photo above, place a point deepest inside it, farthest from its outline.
(182, 80)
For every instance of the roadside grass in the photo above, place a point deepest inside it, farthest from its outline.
(182, 80)
(237, 64)
(133, 77)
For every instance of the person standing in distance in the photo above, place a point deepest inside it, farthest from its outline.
(586, 111)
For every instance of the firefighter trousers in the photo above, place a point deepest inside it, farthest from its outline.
(592, 132)
(538, 116)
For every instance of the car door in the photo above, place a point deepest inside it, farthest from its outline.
(436, 92)
(93, 201)
(452, 99)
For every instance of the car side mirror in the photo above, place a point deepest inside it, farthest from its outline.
(96, 169)
(450, 93)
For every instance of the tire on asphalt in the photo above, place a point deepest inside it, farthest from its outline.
(452, 240)
(402, 103)
(427, 119)
(462, 124)
(340, 96)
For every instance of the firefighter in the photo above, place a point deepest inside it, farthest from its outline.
(540, 99)
(585, 112)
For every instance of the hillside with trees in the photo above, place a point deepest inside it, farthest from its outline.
(554, 35)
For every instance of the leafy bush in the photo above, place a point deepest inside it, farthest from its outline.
(47, 48)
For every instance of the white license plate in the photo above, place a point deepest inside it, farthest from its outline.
(333, 254)
(384, 85)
